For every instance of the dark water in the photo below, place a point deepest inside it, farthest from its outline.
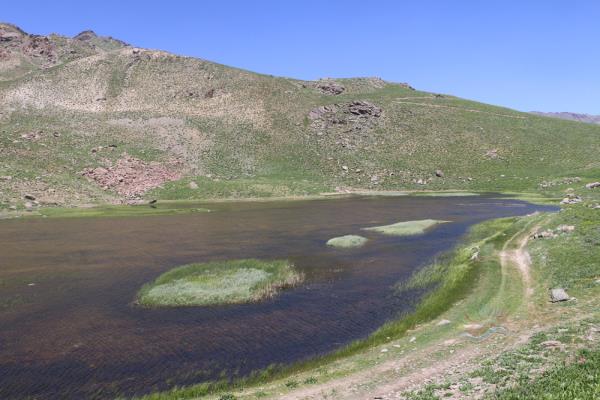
(68, 328)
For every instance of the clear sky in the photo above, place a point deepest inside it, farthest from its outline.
(529, 55)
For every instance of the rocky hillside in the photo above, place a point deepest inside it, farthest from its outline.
(587, 118)
(91, 119)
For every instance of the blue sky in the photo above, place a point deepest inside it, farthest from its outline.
(528, 55)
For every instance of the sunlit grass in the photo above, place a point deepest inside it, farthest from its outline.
(407, 228)
(347, 241)
(219, 282)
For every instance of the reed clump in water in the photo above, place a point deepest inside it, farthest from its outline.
(407, 228)
(347, 241)
(220, 282)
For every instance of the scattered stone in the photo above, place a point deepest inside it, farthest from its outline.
(327, 86)
(28, 206)
(32, 135)
(565, 228)
(571, 200)
(413, 339)
(210, 93)
(384, 350)
(592, 185)
(29, 197)
(439, 173)
(563, 181)
(544, 234)
(443, 322)
(473, 327)
(347, 125)
(131, 177)
(364, 108)
(12, 208)
(552, 344)
(31, 284)
(193, 185)
(5, 178)
(492, 154)
(345, 167)
(558, 294)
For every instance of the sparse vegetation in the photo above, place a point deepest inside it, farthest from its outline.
(239, 134)
(347, 241)
(407, 228)
(219, 282)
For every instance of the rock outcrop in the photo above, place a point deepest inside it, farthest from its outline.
(131, 177)
(327, 86)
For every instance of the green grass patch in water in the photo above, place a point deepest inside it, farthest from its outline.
(347, 241)
(219, 282)
(455, 277)
(407, 228)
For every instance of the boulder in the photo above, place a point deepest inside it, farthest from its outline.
(593, 185)
(330, 87)
(193, 185)
(571, 200)
(558, 294)
(360, 107)
(439, 173)
(565, 228)
(492, 154)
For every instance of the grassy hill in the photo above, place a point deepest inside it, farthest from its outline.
(91, 120)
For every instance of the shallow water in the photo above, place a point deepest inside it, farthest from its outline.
(68, 328)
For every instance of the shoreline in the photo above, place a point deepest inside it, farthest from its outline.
(170, 207)
(456, 286)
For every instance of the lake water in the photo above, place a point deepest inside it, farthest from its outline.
(68, 328)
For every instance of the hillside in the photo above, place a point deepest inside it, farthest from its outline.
(91, 119)
(587, 118)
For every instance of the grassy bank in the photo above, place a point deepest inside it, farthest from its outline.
(219, 282)
(560, 359)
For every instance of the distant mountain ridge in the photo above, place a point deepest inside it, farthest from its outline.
(587, 118)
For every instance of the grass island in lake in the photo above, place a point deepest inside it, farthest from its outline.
(220, 282)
